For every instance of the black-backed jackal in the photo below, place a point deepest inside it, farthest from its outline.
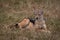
(37, 22)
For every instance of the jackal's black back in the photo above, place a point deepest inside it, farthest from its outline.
(32, 20)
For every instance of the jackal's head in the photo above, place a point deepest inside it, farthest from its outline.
(38, 14)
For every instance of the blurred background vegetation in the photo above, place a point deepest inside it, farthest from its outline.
(13, 11)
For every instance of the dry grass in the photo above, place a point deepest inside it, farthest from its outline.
(13, 11)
